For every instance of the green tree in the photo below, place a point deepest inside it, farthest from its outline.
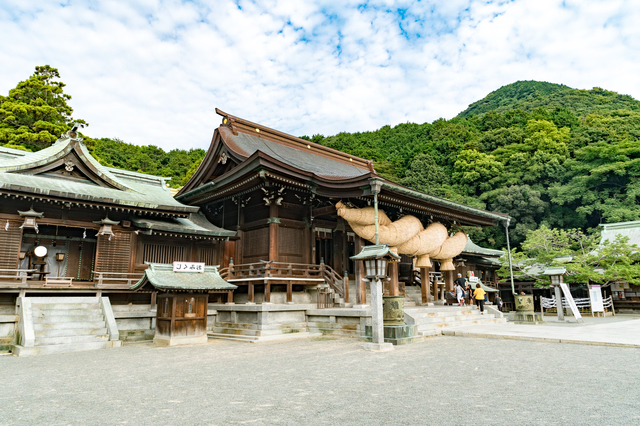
(426, 176)
(36, 112)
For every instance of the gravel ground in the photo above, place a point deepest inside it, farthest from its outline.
(444, 381)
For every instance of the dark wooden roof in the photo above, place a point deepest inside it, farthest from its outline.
(243, 155)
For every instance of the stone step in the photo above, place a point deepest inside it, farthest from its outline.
(425, 327)
(58, 319)
(64, 340)
(258, 333)
(247, 326)
(440, 308)
(453, 319)
(257, 339)
(334, 329)
(68, 325)
(70, 332)
(72, 347)
(63, 306)
(442, 313)
(65, 312)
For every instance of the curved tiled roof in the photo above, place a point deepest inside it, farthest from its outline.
(301, 158)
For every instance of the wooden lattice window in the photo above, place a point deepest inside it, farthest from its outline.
(114, 255)
(164, 253)
(10, 240)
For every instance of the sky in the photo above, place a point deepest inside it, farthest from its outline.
(152, 72)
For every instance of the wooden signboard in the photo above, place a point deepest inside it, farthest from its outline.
(595, 296)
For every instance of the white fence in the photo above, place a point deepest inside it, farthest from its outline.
(583, 304)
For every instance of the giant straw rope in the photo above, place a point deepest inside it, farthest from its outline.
(407, 236)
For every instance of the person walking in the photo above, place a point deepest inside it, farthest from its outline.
(460, 283)
(479, 294)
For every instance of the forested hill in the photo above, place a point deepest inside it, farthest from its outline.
(529, 95)
(543, 153)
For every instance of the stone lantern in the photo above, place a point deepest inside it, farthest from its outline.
(375, 258)
(556, 274)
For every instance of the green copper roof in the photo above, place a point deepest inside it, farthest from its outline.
(18, 173)
(473, 248)
(375, 252)
(195, 224)
(162, 277)
(626, 229)
(555, 270)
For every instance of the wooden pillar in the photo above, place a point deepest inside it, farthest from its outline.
(307, 253)
(250, 291)
(273, 232)
(394, 285)
(435, 289)
(424, 284)
(230, 297)
(289, 292)
(267, 292)
(448, 276)
(153, 300)
(346, 286)
(361, 287)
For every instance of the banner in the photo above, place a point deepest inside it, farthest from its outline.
(572, 303)
(595, 295)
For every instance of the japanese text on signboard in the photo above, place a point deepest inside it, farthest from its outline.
(188, 266)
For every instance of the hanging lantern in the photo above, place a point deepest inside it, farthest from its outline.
(107, 224)
(30, 219)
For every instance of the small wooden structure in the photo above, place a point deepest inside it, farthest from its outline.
(182, 302)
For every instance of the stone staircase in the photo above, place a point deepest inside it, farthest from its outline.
(65, 324)
(433, 319)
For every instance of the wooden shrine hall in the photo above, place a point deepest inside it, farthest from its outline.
(293, 203)
(71, 225)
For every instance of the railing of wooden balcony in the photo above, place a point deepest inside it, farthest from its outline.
(33, 278)
(16, 276)
(290, 273)
(116, 280)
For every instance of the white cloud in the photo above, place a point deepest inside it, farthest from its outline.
(152, 72)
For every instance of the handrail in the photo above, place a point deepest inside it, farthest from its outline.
(18, 274)
(116, 278)
(334, 279)
(271, 270)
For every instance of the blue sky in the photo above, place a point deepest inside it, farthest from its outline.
(153, 72)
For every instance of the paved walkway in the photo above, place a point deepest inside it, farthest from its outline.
(621, 330)
(319, 381)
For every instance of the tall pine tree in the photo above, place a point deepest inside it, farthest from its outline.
(36, 113)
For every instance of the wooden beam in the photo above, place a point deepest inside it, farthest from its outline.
(322, 211)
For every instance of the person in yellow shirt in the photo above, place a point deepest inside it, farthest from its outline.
(478, 294)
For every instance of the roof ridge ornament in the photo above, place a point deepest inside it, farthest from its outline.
(72, 133)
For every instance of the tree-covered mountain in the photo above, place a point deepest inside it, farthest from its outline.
(544, 153)
(541, 152)
(529, 95)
